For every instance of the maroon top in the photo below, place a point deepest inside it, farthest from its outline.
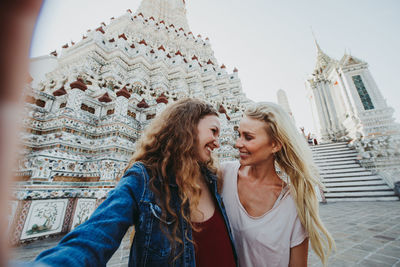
(212, 243)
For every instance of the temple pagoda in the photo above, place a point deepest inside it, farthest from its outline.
(90, 101)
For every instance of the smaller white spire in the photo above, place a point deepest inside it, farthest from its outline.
(323, 60)
(284, 102)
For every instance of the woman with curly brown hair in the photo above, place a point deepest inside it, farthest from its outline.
(168, 192)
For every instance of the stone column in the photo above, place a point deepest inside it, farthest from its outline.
(322, 111)
(346, 98)
(336, 129)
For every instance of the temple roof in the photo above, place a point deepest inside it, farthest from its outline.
(79, 84)
(348, 60)
(100, 29)
(162, 99)
(60, 92)
(142, 104)
(143, 42)
(222, 110)
(105, 98)
(124, 92)
(123, 36)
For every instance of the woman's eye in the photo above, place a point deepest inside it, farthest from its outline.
(248, 138)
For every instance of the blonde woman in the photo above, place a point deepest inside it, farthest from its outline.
(273, 218)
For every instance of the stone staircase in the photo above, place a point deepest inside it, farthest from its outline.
(345, 179)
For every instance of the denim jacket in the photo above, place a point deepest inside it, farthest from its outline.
(130, 203)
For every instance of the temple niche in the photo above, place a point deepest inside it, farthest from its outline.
(90, 101)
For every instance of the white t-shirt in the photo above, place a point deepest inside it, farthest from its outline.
(263, 241)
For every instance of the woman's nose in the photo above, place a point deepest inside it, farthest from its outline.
(238, 143)
(216, 142)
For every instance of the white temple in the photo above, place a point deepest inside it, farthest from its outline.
(345, 100)
(89, 103)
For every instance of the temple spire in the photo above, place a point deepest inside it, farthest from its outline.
(323, 60)
(172, 12)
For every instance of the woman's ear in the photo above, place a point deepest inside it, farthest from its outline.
(276, 146)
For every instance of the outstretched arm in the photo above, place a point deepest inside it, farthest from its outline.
(95, 241)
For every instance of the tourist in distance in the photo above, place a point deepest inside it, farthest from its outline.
(273, 218)
(169, 192)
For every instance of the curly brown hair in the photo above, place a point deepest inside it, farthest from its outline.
(169, 146)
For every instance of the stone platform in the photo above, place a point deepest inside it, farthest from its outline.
(367, 234)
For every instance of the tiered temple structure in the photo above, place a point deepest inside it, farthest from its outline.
(345, 100)
(89, 103)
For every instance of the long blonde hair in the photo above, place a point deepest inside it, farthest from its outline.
(168, 149)
(295, 159)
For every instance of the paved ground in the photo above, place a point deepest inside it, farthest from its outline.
(366, 233)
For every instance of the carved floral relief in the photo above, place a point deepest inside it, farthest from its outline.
(84, 208)
(45, 217)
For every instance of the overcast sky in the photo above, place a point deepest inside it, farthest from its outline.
(269, 41)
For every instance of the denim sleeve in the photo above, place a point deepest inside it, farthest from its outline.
(95, 241)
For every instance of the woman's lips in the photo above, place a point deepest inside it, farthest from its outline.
(243, 154)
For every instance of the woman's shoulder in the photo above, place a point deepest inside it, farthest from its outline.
(135, 177)
(137, 167)
(228, 171)
(289, 203)
(228, 165)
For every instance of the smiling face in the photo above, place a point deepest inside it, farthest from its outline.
(254, 144)
(208, 132)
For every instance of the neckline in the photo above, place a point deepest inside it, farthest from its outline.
(276, 203)
(206, 222)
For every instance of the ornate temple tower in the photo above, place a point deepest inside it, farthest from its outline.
(89, 103)
(345, 100)
(325, 116)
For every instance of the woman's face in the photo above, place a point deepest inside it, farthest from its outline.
(208, 132)
(254, 144)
